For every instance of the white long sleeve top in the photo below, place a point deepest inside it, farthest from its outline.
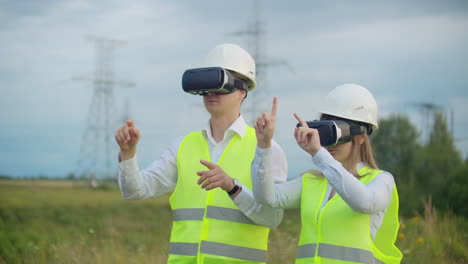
(160, 176)
(372, 198)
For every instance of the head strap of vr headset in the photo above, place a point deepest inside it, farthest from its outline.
(357, 128)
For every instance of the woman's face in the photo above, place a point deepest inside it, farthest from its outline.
(341, 152)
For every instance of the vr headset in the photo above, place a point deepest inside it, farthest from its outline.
(333, 132)
(202, 81)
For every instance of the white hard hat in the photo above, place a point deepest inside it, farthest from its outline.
(233, 58)
(353, 102)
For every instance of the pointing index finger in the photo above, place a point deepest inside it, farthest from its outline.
(208, 164)
(303, 123)
(274, 107)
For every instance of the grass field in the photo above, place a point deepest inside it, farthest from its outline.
(44, 221)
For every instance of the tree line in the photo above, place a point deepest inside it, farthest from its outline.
(431, 170)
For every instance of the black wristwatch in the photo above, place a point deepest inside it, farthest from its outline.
(235, 189)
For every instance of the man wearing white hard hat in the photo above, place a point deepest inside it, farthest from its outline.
(215, 216)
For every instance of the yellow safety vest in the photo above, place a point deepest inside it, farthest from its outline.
(208, 227)
(337, 235)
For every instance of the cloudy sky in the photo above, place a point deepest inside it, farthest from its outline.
(405, 52)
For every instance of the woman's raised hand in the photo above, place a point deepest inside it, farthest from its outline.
(307, 138)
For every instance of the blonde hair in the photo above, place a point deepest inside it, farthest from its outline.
(361, 152)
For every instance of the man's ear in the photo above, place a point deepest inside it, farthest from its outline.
(244, 93)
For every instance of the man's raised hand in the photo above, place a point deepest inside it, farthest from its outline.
(265, 126)
(127, 136)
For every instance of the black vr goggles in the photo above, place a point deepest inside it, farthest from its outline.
(334, 132)
(202, 81)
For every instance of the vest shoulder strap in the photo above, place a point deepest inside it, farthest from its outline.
(313, 174)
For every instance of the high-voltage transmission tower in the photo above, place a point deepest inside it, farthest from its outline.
(97, 160)
(427, 111)
(256, 33)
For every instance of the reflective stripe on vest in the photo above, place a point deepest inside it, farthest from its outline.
(215, 212)
(337, 252)
(306, 251)
(187, 214)
(233, 251)
(186, 249)
(219, 249)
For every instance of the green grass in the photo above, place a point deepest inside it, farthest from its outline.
(51, 222)
(431, 238)
(45, 221)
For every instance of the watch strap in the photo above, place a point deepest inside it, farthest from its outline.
(234, 190)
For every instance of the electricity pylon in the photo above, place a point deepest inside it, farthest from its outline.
(97, 151)
(255, 32)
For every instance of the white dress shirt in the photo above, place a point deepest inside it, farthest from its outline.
(372, 198)
(161, 176)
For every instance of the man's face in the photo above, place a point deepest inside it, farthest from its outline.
(217, 104)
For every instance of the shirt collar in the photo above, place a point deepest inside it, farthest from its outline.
(238, 127)
(360, 165)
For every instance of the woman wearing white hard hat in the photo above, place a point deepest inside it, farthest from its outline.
(349, 208)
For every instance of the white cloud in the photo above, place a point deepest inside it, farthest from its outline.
(371, 49)
(413, 35)
(42, 48)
